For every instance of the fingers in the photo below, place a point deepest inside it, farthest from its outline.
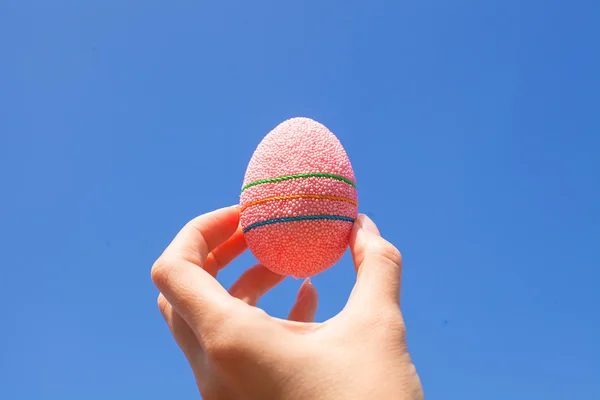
(306, 303)
(378, 264)
(196, 296)
(225, 253)
(203, 234)
(254, 283)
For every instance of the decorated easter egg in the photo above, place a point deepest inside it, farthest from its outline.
(299, 199)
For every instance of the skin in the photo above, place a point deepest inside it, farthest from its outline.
(237, 351)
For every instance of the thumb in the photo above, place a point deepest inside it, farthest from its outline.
(378, 264)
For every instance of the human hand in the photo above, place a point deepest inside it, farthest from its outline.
(237, 351)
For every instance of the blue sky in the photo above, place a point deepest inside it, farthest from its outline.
(473, 128)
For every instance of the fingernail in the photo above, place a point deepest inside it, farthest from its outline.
(303, 288)
(367, 224)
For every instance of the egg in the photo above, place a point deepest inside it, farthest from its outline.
(299, 199)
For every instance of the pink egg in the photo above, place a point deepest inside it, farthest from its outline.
(299, 199)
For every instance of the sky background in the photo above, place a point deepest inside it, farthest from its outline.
(473, 128)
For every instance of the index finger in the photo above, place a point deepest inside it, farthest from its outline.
(191, 290)
(203, 234)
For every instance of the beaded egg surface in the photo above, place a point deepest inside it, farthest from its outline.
(299, 199)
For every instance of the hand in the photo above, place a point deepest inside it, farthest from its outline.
(237, 351)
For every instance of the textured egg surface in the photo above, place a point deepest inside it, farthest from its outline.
(299, 199)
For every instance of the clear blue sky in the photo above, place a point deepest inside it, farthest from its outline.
(473, 128)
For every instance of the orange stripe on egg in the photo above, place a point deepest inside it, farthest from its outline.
(299, 196)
